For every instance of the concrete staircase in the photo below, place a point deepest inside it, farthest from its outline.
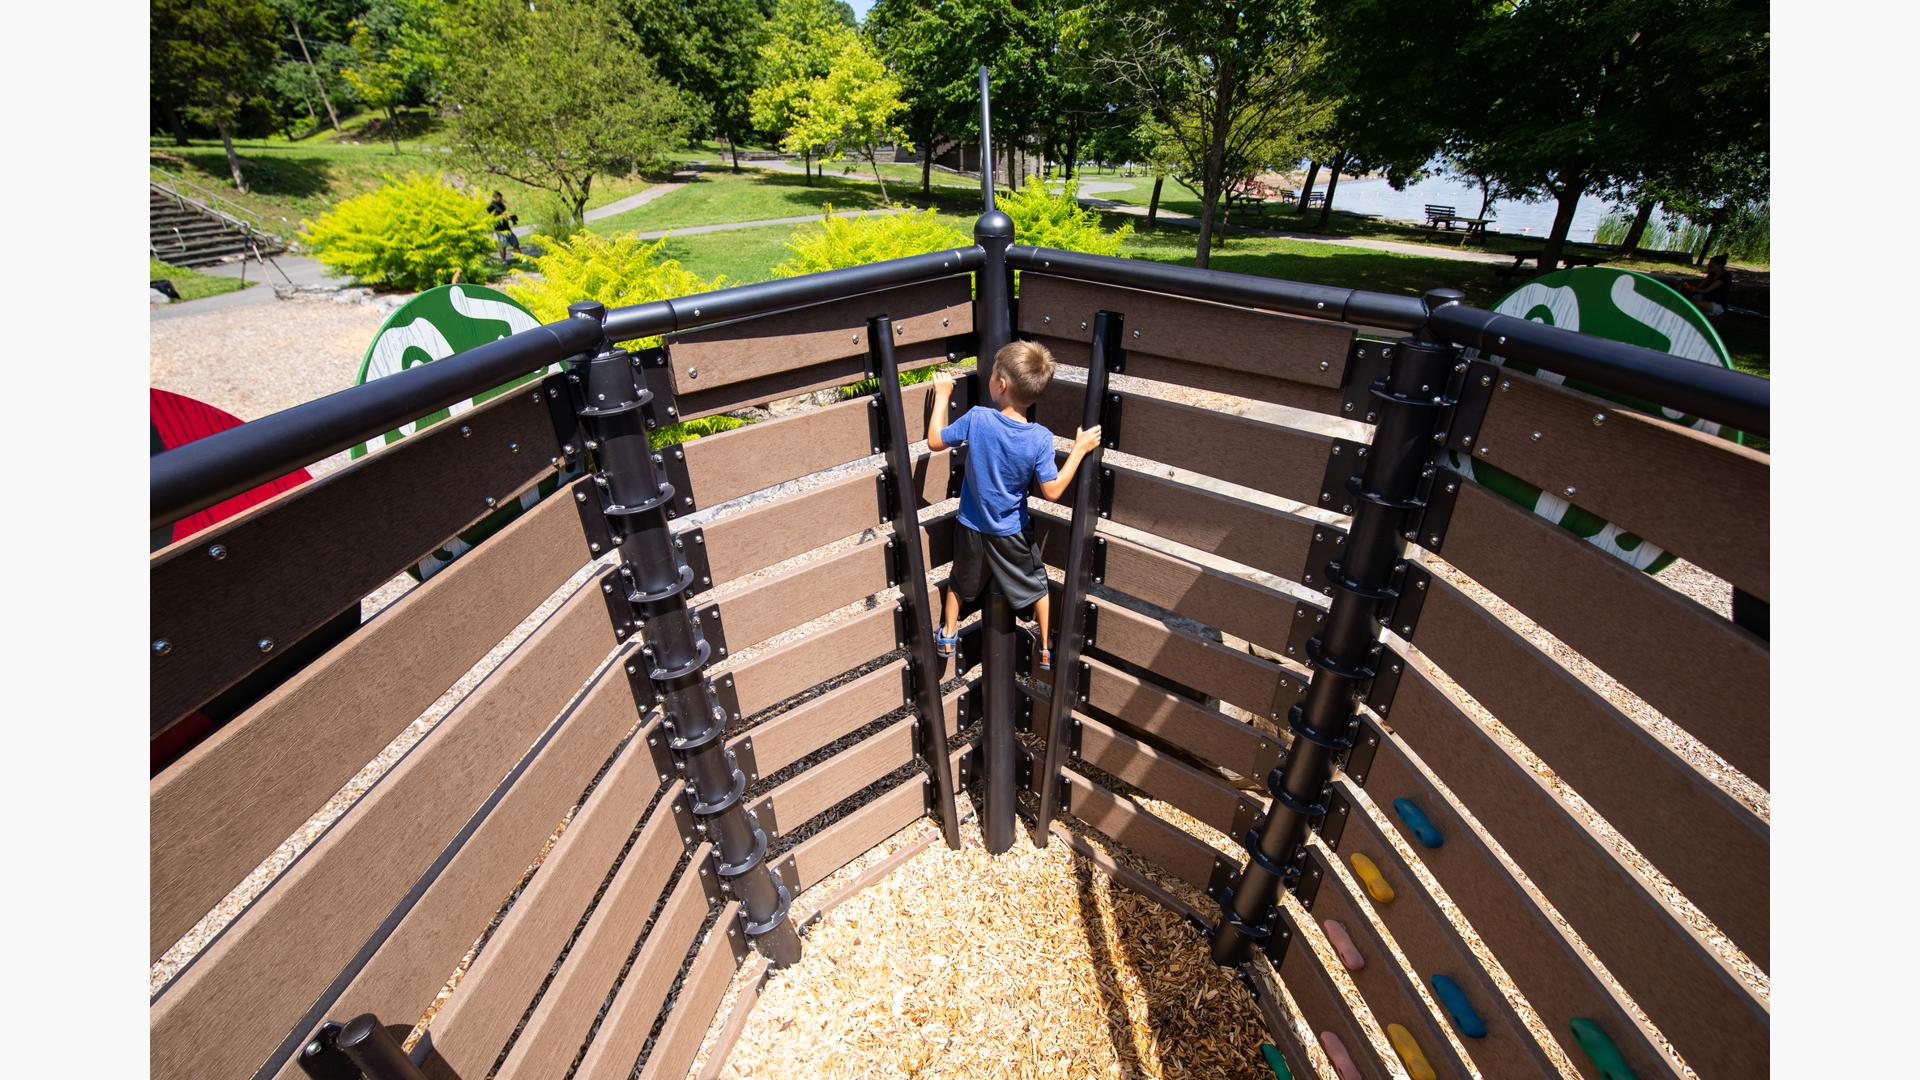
(186, 231)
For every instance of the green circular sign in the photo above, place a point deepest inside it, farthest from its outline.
(1619, 305)
(432, 326)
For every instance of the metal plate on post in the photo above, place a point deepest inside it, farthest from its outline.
(1402, 614)
(1307, 622)
(1334, 825)
(1346, 462)
(613, 590)
(1366, 743)
(1367, 363)
(672, 464)
(727, 696)
(692, 545)
(711, 628)
(1329, 545)
(566, 426)
(1380, 691)
(593, 520)
(1472, 393)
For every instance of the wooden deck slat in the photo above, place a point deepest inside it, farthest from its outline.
(699, 999)
(1196, 662)
(854, 835)
(1211, 736)
(297, 560)
(1126, 822)
(780, 673)
(229, 802)
(1205, 376)
(259, 977)
(785, 739)
(1247, 533)
(1206, 797)
(822, 786)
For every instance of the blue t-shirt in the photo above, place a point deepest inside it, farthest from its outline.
(1004, 457)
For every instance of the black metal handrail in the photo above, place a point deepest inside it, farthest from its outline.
(1728, 397)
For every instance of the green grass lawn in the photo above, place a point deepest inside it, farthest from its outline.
(192, 284)
(1320, 264)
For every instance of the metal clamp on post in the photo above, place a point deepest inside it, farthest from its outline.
(653, 582)
(359, 1048)
(1407, 403)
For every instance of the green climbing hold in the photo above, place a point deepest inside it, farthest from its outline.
(1275, 1062)
(1605, 1056)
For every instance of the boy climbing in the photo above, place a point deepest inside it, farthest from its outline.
(1006, 454)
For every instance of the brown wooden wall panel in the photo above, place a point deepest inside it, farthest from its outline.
(1206, 797)
(1386, 986)
(802, 594)
(1699, 496)
(477, 1020)
(1245, 532)
(1184, 856)
(698, 1002)
(218, 811)
(787, 738)
(1711, 1018)
(260, 976)
(1243, 340)
(821, 787)
(1706, 674)
(1203, 376)
(1266, 457)
(798, 338)
(290, 564)
(780, 673)
(1253, 612)
(629, 1019)
(566, 1010)
(1434, 947)
(735, 463)
(1193, 661)
(1719, 860)
(1541, 962)
(1211, 736)
(1322, 1006)
(401, 979)
(854, 835)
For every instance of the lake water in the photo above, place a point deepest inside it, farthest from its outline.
(1509, 215)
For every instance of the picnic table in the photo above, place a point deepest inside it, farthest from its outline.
(1532, 255)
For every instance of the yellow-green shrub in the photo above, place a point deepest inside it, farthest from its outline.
(1044, 219)
(411, 233)
(866, 238)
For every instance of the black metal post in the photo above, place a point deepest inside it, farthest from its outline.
(609, 395)
(360, 1048)
(1071, 614)
(1410, 401)
(921, 652)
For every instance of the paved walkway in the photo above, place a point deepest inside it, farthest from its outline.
(1397, 247)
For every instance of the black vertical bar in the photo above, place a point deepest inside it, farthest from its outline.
(1070, 616)
(993, 328)
(1410, 401)
(375, 1052)
(913, 578)
(608, 394)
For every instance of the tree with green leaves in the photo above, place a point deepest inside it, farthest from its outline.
(851, 110)
(399, 51)
(931, 48)
(799, 49)
(307, 17)
(711, 50)
(213, 57)
(556, 96)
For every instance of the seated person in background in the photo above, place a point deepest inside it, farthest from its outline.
(503, 224)
(1710, 295)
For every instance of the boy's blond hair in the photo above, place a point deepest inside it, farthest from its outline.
(1028, 368)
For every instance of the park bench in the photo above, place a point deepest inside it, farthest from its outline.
(1438, 216)
(729, 690)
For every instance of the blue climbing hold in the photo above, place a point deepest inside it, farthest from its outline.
(1453, 999)
(1416, 821)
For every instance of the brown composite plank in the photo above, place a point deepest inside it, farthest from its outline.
(735, 463)
(1253, 612)
(1322, 1005)
(821, 787)
(1211, 736)
(1121, 819)
(566, 1010)
(230, 801)
(294, 562)
(1206, 797)
(1434, 947)
(854, 835)
(1699, 496)
(792, 735)
(698, 1002)
(1193, 661)
(1706, 674)
(787, 341)
(805, 593)
(629, 1019)
(780, 673)
(1542, 963)
(400, 980)
(259, 977)
(477, 1020)
(1386, 986)
(1279, 460)
(1719, 860)
(1245, 532)
(1204, 376)
(1238, 339)
(1711, 1018)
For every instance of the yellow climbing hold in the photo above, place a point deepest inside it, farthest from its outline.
(1409, 1051)
(1377, 886)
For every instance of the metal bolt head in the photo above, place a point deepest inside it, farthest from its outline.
(1336, 449)
(1136, 333)
(266, 644)
(465, 431)
(1324, 365)
(1538, 435)
(1505, 384)
(567, 449)
(1570, 490)
(1348, 407)
(161, 646)
(513, 447)
(579, 496)
(1599, 418)
(492, 502)
(1486, 380)
(217, 552)
(693, 373)
(594, 547)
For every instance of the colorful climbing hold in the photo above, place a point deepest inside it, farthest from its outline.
(1416, 822)
(1453, 999)
(1370, 877)
(1337, 1055)
(1275, 1062)
(1343, 946)
(1409, 1051)
(1600, 1049)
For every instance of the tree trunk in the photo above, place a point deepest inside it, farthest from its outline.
(806, 165)
(1306, 189)
(1073, 151)
(1706, 246)
(733, 148)
(1333, 182)
(580, 201)
(1638, 229)
(393, 130)
(233, 159)
(1568, 198)
(318, 82)
(926, 165)
(873, 159)
(1486, 197)
(1153, 207)
(178, 127)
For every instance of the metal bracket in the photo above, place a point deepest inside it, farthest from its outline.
(1023, 769)
(1097, 562)
(645, 694)
(1367, 364)
(956, 471)
(1110, 416)
(1471, 390)
(1346, 463)
(672, 463)
(1328, 546)
(892, 561)
(692, 545)
(613, 590)
(968, 708)
(552, 391)
(707, 619)
(1402, 613)
(964, 771)
(1313, 871)
(1307, 621)
(1103, 492)
(1386, 682)
(1090, 625)
(1366, 743)
(1334, 825)
(1023, 714)
(876, 419)
(727, 696)
(593, 520)
(884, 491)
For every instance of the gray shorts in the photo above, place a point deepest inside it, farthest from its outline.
(1013, 563)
